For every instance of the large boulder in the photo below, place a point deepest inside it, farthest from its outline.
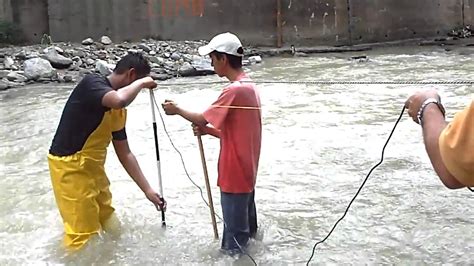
(105, 40)
(88, 41)
(36, 68)
(57, 60)
(187, 70)
(203, 66)
(103, 67)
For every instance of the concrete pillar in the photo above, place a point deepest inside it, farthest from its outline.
(5, 10)
(32, 17)
(468, 13)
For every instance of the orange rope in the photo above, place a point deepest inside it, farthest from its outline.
(237, 107)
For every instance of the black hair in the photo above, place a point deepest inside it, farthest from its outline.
(234, 61)
(135, 61)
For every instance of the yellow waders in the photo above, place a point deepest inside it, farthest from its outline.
(80, 185)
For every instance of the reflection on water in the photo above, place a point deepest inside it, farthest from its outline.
(319, 142)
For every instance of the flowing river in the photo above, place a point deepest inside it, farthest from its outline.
(319, 142)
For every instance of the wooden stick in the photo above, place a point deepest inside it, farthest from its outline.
(208, 187)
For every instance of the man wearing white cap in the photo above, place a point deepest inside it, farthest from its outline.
(240, 134)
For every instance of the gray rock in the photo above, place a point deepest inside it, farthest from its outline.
(21, 55)
(46, 80)
(157, 76)
(132, 51)
(32, 55)
(175, 56)
(73, 67)
(4, 85)
(70, 52)
(187, 70)
(152, 53)
(16, 77)
(4, 73)
(105, 40)
(68, 78)
(36, 68)
(88, 41)
(79, 53)
(255, 59)
(158, 70)
(8, 62)
(144, 47)
(157, 60)
(102, 55)
(167, 55)
(99, 46)
(203, 66)
(90, 61)
(169, 65)
(57, 60)
(84, 71)
(103, 67)
(58, 50)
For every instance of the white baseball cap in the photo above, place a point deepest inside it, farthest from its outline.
(225, 43)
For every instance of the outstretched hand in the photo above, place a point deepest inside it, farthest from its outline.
(170, 107)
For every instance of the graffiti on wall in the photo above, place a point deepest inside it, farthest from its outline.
(175, 8)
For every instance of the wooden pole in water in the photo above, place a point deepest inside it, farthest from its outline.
(208, 187)
(279, 30)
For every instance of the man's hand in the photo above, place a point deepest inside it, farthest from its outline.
(415, 101)
(147, 83)
(155, 199)
(198, 130)
(170, 107)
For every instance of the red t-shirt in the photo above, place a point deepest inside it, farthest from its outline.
(240, 135)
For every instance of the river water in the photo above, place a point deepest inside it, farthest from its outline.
(319, 142)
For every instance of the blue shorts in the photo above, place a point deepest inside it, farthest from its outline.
(240, 217)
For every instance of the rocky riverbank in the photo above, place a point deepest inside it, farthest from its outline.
(66, 62)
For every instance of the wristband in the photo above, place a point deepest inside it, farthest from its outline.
(425, 104)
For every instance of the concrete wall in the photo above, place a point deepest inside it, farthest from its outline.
(5, 10)
(468, 12)
(304, 22)
(30, 15)
(381, 20)
(164, 19)
(315, 22)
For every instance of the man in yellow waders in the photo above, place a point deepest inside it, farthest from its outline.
(93, 116)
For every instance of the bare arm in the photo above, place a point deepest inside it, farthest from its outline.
(433, 125)
(195, 118)
(122, 97)
(129, 162)
(171, 108)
